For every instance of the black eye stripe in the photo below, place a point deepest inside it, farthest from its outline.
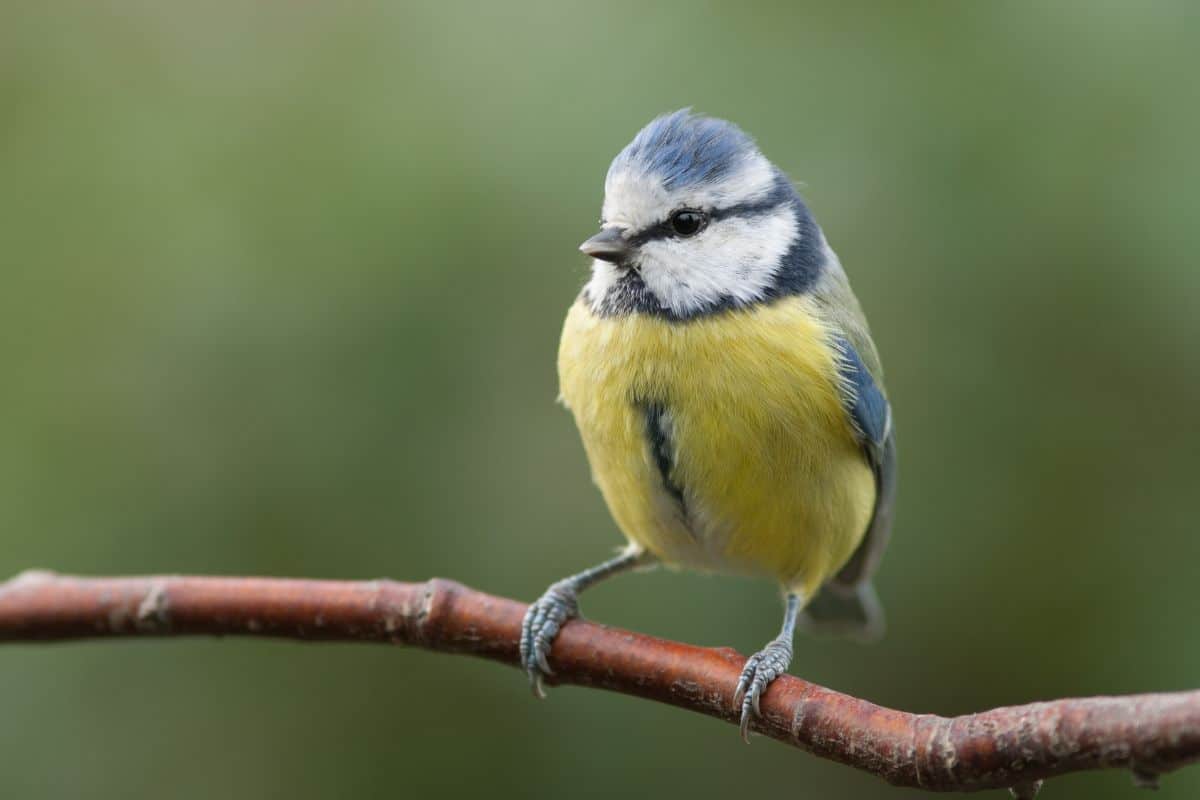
(747, 209)
(663, 229)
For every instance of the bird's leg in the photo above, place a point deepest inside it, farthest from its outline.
(766, 665)
(559, 604)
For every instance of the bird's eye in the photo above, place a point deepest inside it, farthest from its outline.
(688, 222)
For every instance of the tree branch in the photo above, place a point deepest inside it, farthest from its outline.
(1006, 747)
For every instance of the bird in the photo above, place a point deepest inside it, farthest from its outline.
(728, 393)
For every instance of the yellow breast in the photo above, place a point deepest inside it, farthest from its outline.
(772, 479)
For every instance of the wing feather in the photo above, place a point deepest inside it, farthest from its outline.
(871, 416)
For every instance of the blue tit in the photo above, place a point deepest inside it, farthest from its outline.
(727, 391)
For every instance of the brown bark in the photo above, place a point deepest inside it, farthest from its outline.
(1004, 747)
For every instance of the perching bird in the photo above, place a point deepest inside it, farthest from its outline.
(727, 391)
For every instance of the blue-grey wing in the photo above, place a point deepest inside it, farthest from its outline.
(871, 417)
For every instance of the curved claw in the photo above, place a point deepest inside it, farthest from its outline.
(743, 684)
(539, 628)
(745, 726)
(543, 664)
(761, 669)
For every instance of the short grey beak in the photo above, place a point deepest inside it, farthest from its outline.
(607, 245)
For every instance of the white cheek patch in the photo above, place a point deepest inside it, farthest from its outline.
(733, 259)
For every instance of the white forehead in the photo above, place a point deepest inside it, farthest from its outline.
(635, 199)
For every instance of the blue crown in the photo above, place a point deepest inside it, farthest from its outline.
(685, 149)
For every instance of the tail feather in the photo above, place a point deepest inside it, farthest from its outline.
(852, 611)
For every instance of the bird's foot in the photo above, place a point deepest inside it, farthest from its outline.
(761, 668)
(542, 621)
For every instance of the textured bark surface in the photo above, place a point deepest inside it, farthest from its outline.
(1004, 747)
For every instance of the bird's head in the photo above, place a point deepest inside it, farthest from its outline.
(697, 220)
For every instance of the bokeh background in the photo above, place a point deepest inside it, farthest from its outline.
(281, 291)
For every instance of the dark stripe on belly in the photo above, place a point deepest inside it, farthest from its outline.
(662, 448)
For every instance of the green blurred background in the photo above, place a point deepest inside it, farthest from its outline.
(282, 287)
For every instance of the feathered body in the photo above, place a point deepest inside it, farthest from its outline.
(727, 391)
(719, 381)
(766, 474)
